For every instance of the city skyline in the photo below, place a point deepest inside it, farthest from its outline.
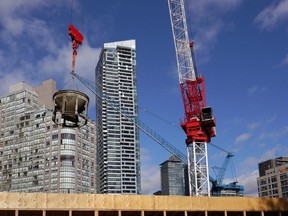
(240, 49)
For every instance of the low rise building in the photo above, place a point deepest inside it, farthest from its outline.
(273, 178)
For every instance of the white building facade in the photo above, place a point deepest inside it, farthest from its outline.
(273, 178)
(117, 138)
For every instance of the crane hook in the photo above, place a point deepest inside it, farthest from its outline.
(76, 39)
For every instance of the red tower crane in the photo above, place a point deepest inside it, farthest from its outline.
(199, 122)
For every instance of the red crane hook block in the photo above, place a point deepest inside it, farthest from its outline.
(77, 39)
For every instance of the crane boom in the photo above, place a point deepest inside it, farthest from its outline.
(221, 171)
(218, 187)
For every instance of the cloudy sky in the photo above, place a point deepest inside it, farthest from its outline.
(241, 50)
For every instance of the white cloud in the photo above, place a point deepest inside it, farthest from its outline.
(276, 150)
(34, 50)
(242, 138)
(145, 156)
(10, 78)
(248, 164)
(249, 181)
(60, 64)
(248, 174)
(150, 174)
(274, 135)
(270, 153)
(87, 59)
(16, 15)
(45, 37)
(260, 130)
(19, 37)
(150, 179)
(272, 15)
(255, 90)
(285, 61)
(199, 8)
(253, 126)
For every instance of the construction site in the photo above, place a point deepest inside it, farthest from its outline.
(207, 195)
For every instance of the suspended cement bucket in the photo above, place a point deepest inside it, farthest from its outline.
(70, 109)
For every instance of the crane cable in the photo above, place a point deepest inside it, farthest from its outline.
(83, 14)
(161, 118)
(188, 20)
(70, 22)
(76, 37)
(71, 10)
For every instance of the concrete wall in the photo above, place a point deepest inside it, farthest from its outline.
(34, 204)
(46, 91)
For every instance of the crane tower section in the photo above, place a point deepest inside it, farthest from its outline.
(199, 123)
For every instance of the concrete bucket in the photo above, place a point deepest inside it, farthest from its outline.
(70, 109)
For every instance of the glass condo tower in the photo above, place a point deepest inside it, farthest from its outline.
(118, 153)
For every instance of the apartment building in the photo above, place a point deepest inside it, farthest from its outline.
(117, 138)
(35, 154)
(273, 178)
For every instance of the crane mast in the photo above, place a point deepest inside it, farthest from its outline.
(199, 123)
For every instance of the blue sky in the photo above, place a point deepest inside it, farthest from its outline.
(241, 49)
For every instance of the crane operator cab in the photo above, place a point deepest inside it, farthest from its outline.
(207, 117)
(208, 122)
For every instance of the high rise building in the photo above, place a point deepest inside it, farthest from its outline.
(174, 177)
(273, 178)
(35, 154)
(117, 138)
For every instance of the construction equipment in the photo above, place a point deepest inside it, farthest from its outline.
(216, 184)
(199, 122)
(71, 106)
(218, 187)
